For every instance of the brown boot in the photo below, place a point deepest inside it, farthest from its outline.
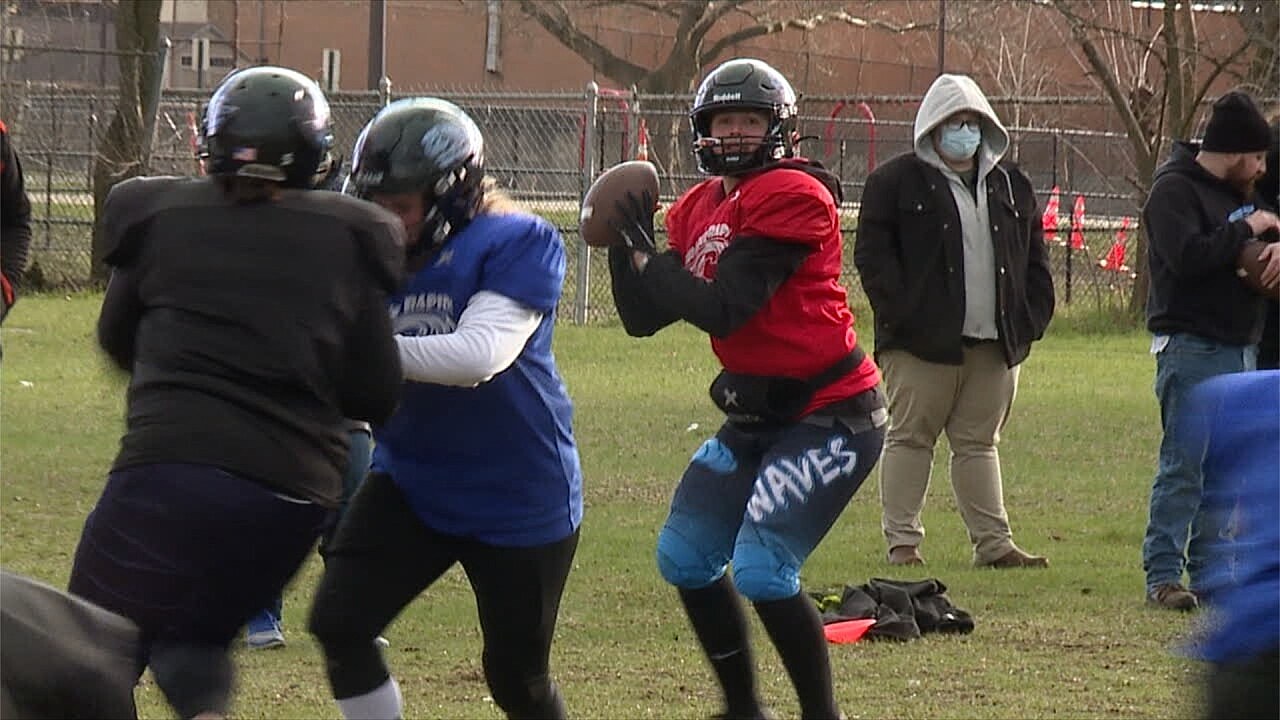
(1017, 558)
(905, 555)
(1172, 596)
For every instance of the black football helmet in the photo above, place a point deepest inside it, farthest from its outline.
(743, 84)
(270, 123)
(423, 145)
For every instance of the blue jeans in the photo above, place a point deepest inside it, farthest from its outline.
(1179, 533)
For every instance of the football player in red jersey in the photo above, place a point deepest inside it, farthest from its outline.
(754, 260)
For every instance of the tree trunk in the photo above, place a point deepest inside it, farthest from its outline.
(668, 120)
(124, 149)
(1146, 168)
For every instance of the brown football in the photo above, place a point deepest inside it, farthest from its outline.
(600, 206)
(1250, 268)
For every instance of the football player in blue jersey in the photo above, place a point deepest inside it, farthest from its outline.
(1231, 422)
(478, 466)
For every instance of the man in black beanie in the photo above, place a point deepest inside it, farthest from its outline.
(1205, 321)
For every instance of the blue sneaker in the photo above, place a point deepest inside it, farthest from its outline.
(263, 631)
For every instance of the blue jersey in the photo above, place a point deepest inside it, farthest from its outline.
(1239, 416)
(497, 462)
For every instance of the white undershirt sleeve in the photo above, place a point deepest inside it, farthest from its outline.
(491, 333)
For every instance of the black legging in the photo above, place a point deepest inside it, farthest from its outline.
(382, 557)
(1245, 689)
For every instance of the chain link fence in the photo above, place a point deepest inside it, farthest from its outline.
(546, 148)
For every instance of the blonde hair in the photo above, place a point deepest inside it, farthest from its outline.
(496, 200)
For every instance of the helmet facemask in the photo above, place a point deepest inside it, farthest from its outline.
(743, 85)
(450, 205)
(774, 145)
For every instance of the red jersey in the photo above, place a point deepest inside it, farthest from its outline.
(806, 326)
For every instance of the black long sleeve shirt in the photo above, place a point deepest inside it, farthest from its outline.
(251, 330)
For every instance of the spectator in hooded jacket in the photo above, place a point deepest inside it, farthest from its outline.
(951, 253)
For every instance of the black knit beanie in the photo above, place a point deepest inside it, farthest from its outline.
(1236, 126)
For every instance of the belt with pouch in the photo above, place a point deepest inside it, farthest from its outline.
(770, 399)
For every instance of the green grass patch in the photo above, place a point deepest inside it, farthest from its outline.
(1073, 641)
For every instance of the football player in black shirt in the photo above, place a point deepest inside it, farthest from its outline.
(250, 312)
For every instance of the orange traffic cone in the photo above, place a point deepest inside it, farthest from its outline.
(1050, 219)
(1115, 259)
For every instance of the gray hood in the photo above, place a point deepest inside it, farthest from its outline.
(950, 94)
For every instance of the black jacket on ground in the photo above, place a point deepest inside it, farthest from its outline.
(903, 609)
(909, 253)
(251, 329)
(1195, 228)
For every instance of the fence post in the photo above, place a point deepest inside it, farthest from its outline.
(153, 109)
(588, 175)
(384, 91)
(635, 124)
(1054, 183)
(55, 132)
(93, 140)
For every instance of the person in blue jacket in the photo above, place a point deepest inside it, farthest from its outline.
(478, 466)
(1236, 419)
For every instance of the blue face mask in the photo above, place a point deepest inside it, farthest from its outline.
(959, 143)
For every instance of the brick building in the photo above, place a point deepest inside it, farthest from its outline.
(493, 45)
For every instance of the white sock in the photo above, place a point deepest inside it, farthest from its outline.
(382, 702)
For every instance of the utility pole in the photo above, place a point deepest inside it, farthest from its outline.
(235, 33)
(377, 43)
(942, 36)
(262, 32)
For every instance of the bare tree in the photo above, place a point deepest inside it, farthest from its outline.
(1260, 20)
(701, 32)
(1008, 55)
(122, 152)
(1156, 76)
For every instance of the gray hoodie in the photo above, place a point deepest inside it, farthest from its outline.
(948, 95)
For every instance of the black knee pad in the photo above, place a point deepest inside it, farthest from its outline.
(194, 678)
(351, 659)
(521, 695)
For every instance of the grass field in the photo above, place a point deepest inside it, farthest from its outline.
(1073, 641)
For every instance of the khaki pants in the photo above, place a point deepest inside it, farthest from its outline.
(971, 402)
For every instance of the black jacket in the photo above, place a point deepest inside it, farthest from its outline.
(15, 218)
(1195, 229)
(910, 256)
(251, 329)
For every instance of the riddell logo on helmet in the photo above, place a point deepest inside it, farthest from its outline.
(725, 97)
(369, 177)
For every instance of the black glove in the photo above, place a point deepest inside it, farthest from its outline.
(634, 222)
